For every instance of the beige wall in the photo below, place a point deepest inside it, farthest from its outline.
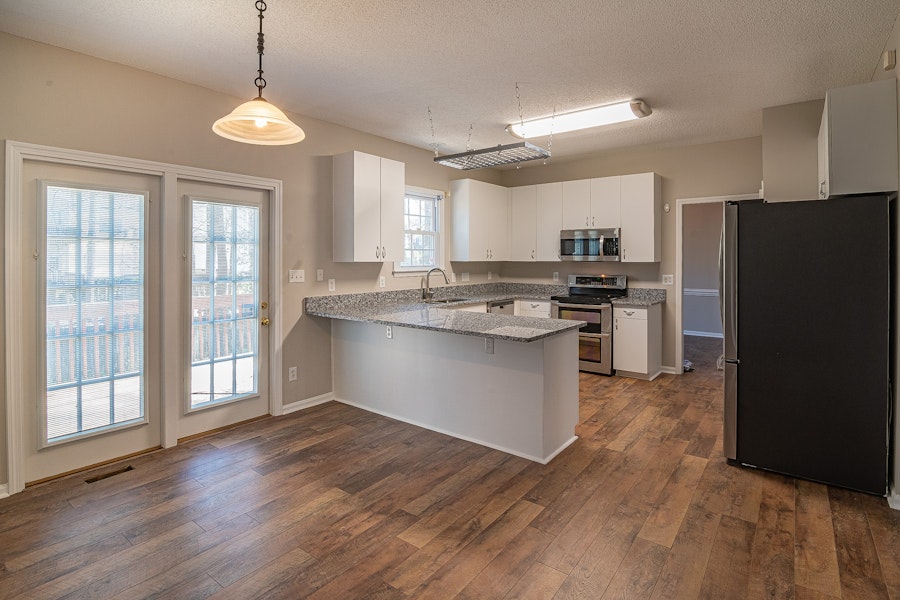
(64, 99)
(789, 151)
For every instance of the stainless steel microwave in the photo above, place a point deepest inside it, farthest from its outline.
(589, 244)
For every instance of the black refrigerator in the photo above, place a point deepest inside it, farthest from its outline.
(807, 300)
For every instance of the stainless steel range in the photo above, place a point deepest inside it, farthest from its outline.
(590, 300)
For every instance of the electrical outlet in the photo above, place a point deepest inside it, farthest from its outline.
(490, 275)
(668, 279)
(320, 275)
(296, 276)
(488, 345)
(465, 276)
(452, 277)
(292, 374)
(331, 285)
(390, 332)
(555, 275)
(381, 282)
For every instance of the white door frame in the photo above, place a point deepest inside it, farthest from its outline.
(679, 264)
(171, 385)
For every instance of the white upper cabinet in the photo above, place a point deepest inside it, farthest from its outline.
(576, 196)
(641, 232)
(480, 216)
(858, 140)
(535, 221)
(368, 208)
(591, 203)
(606, 193)
(549, 221)
(523, 223)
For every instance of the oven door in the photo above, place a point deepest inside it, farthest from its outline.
(597, 316)
(595, 338)
(595, 353)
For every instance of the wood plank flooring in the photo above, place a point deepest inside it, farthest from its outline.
(334, 502)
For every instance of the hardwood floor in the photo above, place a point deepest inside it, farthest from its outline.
(334, 502)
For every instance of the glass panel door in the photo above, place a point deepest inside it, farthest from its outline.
(225, 300)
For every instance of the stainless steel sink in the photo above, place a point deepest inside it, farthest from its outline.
(445, 300)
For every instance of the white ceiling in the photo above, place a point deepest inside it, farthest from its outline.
(707, 67)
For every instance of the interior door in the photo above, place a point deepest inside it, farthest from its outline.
(226, 362)
(89, 296)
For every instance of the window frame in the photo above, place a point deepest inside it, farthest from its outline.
(399, 270)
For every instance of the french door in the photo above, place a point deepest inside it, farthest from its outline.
(95, 254)
(226, 291)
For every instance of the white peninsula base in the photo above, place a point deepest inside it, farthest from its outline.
(522, 399)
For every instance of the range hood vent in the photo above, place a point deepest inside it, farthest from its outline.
(493, 157)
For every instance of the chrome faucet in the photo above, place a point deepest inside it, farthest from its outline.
(425, 285)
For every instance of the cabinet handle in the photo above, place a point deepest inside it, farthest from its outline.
(376, 252)
(586, 222)
(383, 252)
(593, 221)
(532, 255)
(822, 189)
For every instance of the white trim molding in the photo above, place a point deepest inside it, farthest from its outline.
(17, 153)
(307, 403)
(704, 334)
(702, 292)
(4, 490)
(894, 499)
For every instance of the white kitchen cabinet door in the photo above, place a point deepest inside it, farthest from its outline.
(606, 193)
(367, 208)
(576, 197)
(641, 231)
(858, 140)
(480, 217)
(637, 341)
(549, 222)
(522, 223)
(393, 190)
(532, 308)
(498, 226)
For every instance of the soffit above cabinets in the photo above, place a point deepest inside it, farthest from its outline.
(707, 68)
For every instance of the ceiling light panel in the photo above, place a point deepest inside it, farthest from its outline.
(581, 119)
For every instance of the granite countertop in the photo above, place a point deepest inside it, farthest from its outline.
(405, 309)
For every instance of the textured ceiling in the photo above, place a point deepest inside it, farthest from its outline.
(707, 67)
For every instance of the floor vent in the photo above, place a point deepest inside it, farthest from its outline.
(96, 478)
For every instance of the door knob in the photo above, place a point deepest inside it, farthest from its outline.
(265, 322)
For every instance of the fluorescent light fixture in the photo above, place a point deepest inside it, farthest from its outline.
(581, 119)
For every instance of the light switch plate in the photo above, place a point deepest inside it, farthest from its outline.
(296, 276)
(490, 275)
(668, 279)
(555, 275)
(488, 345)
(331, 285)
(465, 276)
(452, 277)
(390, 332)
(292, 374)
(320, 275)
(381, 281)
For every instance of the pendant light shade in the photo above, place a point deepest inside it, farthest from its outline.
(258, 121)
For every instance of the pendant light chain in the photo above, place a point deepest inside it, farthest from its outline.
(260, 81)
(550, 143)
(434, 143)
(469, 141)
(519, 102)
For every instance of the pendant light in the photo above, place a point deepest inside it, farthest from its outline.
(258, 121)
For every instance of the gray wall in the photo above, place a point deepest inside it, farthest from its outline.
(702, 225)
(790, 150)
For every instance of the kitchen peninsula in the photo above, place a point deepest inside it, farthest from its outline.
(506, 382)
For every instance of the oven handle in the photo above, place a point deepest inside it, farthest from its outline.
(584, 306)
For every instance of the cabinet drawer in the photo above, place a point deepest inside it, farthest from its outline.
(533, 308)
(630, 313)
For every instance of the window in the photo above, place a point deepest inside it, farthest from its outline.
(421, 230)
(94, 311)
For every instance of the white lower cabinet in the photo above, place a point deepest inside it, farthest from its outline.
(532, 308)
(637, 341)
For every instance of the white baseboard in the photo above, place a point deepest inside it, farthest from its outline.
(894, 499)
(706, 334)
(536, 459)
(308, 403)
(671, 370)
(4, 490)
